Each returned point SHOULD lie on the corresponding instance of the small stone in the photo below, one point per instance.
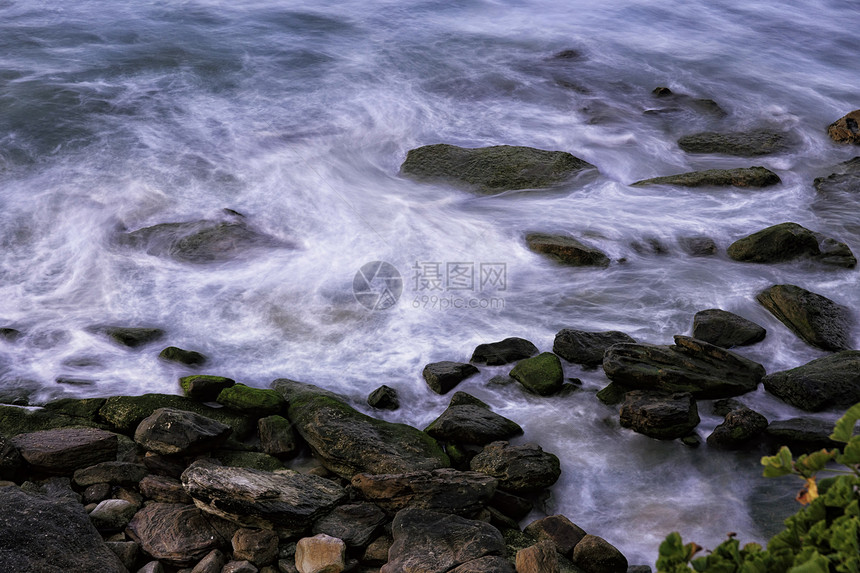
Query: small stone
(443, 376)
(377, 552)
(152, 567)
(112, 514)
(259, 546)
(384, 398)
(354, 523)
(176, 534)
(742, 144)
(698, 246)
(739, 428)
(660, 415)
(127, 551)
(815, 318)
(566, 250)
(503, 352)
(96, 493)
(320, 554)
(187, 357)
(213, 563)
(133, 337)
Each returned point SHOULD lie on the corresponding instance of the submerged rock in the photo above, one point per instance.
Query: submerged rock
(814, 318)
(586, 348)
(503, 352)
(739, 143)
(845, 129)
(384, 398)
(566, 250)
(133, 336)
(698, 246)
(660, 415)
(491, 170)
(739, 177)
(829, 382)
(187, 357)
(725, 329)
(789, 241)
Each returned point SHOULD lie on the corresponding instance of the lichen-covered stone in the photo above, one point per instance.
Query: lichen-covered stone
(204, 388)
(187, 357)
(739, 177)
(133, 336)
(541, 374)
(384, 398)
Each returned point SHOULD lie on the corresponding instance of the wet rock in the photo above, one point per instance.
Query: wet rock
(790, 241)
(690, 365)
(86, 410)
(838, 185)
(740, 427)
(176, 534)
(491, 170)
(825, 383)
(472, 424)
(612, 394)
(443, 490)
(204, 388)
(384, 398)
(814, 318)
(27, 521)
(541, 374)
(64, 450)
(254, 402)
(112, 514)
(117, 473)
(213, 563)
(434, 542)
(677, 102)
(259, 546)
(845, 129)
(725, 329)
(277, 437)
(739, 143)
(354, 523)
(557, 529)
(739, 177)
(10, 334)
(132, 337)
(596, 555)
(503, 352)
(519, 469)
(566, 250)
(698, 246)
(802, 435)
(320, 554)
(538, 558)
(586, 348)
(15, 420)
(287, 502)
(164, 489)
(348, 442)
(187, 357)
(444, 376)
(169, 431)
(660, 415)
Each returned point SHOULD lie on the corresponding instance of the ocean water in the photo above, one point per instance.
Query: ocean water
(116, 116)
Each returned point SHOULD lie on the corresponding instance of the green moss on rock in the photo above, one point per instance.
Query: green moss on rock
(203, 387)
(542, 374)
(252, 401)
(124, 413)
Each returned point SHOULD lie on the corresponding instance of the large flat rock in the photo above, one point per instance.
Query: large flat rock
(829, 382)
(64, 450)
(738, 177)
(177, 534)
(815, 318)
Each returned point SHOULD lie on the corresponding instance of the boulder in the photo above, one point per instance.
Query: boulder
(845, 129)
(259, 546)
(433, 542)
(513, 506)
(204, 388)
(491, 170)
(176, 534)
(559, 530)
(187, 357)
(472, 424)
(320, 554)
(503, 352)
(132, 336)
(348, 442)
(739, 428)
(725, 329)
(444, 376)
(538, 558)
(169, 431)
(285, 501)
(64, 450)
(519, 469)
(277, 437)
(612, 394)
(802, 435)
(541, 374)
(739, 177)
(112, 514)
(690, 365)
(443, 490)
(41, 534)
(825, 383)
(354, 523)
(586, 348)
(566, 250)
(254, 402)
(164, 489)
(660, 415)
(596, 555)
(814, 318)
(738, 143)
(790, 241)
(384, 398)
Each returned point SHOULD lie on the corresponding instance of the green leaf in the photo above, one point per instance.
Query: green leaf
(844, 428)
(810, 464)
(778, 465)
(816, 564)
(851, 452)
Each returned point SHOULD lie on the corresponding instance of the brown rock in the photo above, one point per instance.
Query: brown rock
(566, 250)
(213, 563)
(558, 529)
(164, 489)
(239, 567)
(110, 472)
(277, 436)
(259, 546)
(177, 432)
(377, 552)
(320, 554)
(487, 564)
(596, 555)
(539, 558)
(845, 129)
(176, 534)
(65, 450)
(354, 523)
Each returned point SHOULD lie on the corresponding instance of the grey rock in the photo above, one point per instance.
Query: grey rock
(739, 177)
(738, 143)
(170, 431)
(487, 564)
(11, 462)
(112, 514)
(739, 428)
(824, 383)
(725, 329)
(444, 376)
(239, 567)
(519, 469)
(596, 555)
(802, 435)
(472, 424)
(127, 551)
(96, 493)
(354, 523)
(65, 450)
(503, 352)
(660, 415)
(566, 250)
(586, 348)
(814, 318)
(790, 241)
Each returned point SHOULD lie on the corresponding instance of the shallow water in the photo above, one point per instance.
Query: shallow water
(120, 116)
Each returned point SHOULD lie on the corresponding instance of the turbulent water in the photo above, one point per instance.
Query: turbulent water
(118, 115)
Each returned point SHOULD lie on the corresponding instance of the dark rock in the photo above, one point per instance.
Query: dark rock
(790, 241)
(239, 567)
(443, 490)
(10, 334)
(491, 170)
(513, 506)
(739, 143)
(377, 552)
(690, 365)
(112, 514)
(740, 177)
(503, 352)
(802, 435)
(650, 246)
(286, 502)
(152, 567)
(117, 473)
(814, 318)
(838, 184)
(96, 493)
(169, 431)
(15, 420)
(176, 534)
(679, 102)
(739, 428)
(487, 564)
(277, 437)
(563, 533)
(472, 424)
(187, 357)
(586, 348)
(433, 542)
(595, 555)
(348, 442)
(660, 415)
(725, 329)
(164, 489)
(443, 376)
(43, 535)
(541, 374)
(252, 460)
(133, 336)
(566, 250)
(255, 402)
(86, 409)
(213, 563)
(845, 129)
(204, 388)
(539, 558)
(466, 399)
(723, 407)
(259, 546)
(519, 469)
(825, 383)
(64, 450)
(384, 398)
(354, 523)
(612, 394)
(58, 488)
(172, 466)
(127, 551)
(11, 462)
(698, 246)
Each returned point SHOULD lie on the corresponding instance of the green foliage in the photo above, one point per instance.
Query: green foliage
(822, 537)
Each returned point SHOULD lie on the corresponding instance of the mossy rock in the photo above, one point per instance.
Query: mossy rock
(815, 318)
(789, 241)
(86, 409)
(739, 177)
(203, 387)
(738, 143)
(187, 357)
(15, 420)
(566, 250)
(256, 402)
(541, 374)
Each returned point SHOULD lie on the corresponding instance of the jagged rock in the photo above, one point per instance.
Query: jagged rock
(205, 388)
(698, 246)
(434, 542)
(96, 493)
(563, 533)
(503, 352)
(259, 546)
(789, 241)
(213, 563)
(152, 567)
(164, 489)
(566, 250)
(519, 469)
(320, 554)
(725, 329)
(829, 382)
(170, 431)
(444, 376)
(277, 437)
(739, 143)
(41, 534)
(596, 555)
(740, 177)
(187, 357)
(802, 435)
(491, 170)
(124, 413)
(660, 415)
(255, 402)
(442, 490)
(384, 398)
(541, 374)
(472, 424)
(132, 336)
(586, 348)
(814, 318)
(690, 365)
(176, 534)
(117, 473)
(845, 129)
(538, 558)
(354, 523)
(287, 502)
(112, 514)
(65, 450)
(740, 427)
(348, 442)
